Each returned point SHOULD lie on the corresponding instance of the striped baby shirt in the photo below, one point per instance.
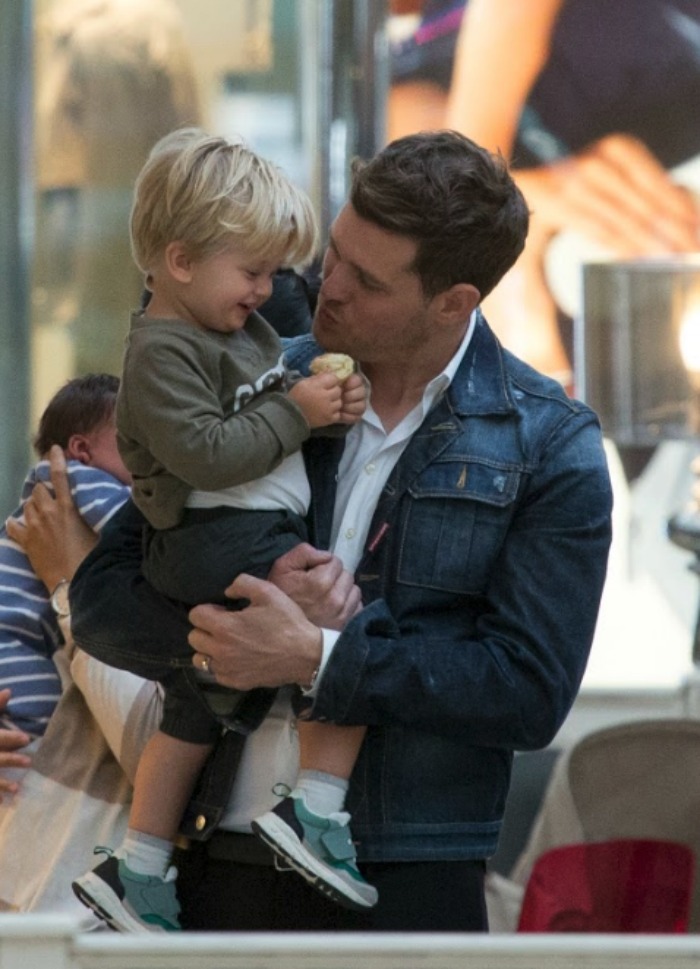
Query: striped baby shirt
(29, 631)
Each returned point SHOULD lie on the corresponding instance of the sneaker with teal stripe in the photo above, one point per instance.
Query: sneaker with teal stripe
(127, 901)
(318, 848)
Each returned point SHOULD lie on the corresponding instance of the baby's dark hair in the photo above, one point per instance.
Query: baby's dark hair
(82, 405)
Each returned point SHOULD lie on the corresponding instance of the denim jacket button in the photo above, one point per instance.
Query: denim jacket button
(201, 822)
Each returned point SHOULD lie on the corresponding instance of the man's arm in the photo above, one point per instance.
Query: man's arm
(319, 595)
(503, 672)
(269, 643)
(506, 667)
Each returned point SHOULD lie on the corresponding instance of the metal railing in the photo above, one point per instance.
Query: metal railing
(50, 942)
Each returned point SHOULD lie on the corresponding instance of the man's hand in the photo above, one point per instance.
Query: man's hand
(269, 643)
(54, 536)
(10, 742)
(318, 583)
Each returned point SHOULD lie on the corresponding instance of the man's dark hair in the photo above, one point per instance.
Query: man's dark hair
(82, 405)
(455, 198)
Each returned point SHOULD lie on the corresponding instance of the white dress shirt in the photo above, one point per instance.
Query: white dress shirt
(270, 758)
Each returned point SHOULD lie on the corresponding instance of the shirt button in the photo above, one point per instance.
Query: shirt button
(200, 823)
(370, 468)
(350, 533)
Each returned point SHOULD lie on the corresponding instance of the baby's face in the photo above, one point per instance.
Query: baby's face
(105, 453)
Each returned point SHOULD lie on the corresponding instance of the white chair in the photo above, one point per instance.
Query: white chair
(639, 779)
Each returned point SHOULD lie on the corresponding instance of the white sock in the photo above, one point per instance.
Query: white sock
(145, 854)
(323, 793)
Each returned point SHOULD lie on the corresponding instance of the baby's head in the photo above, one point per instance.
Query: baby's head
(80, 419)
(210, 196)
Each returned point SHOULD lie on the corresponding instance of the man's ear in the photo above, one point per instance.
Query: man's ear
(178, 261)
(79, 448)
(456, 304)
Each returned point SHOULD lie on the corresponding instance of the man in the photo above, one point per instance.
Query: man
(472, 504)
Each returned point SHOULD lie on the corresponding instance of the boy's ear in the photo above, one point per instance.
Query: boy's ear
(456, 304)
(178, 262)
(79, 448)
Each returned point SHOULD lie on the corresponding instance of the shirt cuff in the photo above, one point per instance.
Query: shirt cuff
(330, 638)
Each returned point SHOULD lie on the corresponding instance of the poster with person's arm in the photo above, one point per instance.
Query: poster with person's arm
(592, 104)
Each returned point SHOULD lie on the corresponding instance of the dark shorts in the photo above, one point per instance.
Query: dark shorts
(195, 561)
(130, 610)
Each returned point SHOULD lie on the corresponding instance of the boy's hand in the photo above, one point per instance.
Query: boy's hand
(354, 399)
(319, 398)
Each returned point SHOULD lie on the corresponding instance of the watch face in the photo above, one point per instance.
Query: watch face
(59, 600)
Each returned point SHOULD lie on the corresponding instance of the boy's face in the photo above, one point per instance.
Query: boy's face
(224, 289)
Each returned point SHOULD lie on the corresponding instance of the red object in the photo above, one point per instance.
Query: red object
(625, 885)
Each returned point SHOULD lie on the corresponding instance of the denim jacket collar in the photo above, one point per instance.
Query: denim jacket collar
(485, 389)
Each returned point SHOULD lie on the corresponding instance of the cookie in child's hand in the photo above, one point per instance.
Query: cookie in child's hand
(338, 363)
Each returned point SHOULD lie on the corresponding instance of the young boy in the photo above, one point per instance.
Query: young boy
(79, 418)
(210, 427)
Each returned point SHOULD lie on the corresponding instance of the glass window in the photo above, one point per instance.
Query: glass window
(113, 76)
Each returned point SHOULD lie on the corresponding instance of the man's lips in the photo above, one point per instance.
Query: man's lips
(326, 316)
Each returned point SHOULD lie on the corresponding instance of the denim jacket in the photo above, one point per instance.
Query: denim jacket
(481, 591)
(489, 552)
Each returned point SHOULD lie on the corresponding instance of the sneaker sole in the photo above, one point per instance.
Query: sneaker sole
(96, 894)
(276, 835)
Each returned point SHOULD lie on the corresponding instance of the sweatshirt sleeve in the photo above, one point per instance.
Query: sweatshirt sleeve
(181, 426)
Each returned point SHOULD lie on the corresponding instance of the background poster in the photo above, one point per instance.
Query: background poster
(594, 105)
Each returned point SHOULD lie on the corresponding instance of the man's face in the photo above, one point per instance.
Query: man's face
(371, 304)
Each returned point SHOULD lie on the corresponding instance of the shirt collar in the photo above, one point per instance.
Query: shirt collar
(434, 389)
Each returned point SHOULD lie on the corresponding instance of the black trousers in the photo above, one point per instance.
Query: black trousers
(217, 894)
(196, 560)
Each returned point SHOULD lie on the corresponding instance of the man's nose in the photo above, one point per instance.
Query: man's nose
(334, 285)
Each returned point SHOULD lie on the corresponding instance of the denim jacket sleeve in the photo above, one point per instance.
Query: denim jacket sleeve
(500, 664)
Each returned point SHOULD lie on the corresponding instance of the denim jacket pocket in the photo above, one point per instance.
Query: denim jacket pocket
(458, 514)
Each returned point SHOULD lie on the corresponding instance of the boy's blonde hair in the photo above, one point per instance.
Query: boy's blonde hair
(207, 193)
